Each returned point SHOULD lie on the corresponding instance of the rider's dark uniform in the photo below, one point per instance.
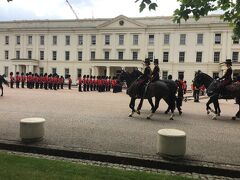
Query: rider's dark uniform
(145, 78)
(227, 77)
(156, 70)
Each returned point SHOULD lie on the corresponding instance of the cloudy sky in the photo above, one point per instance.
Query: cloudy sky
(59, 9)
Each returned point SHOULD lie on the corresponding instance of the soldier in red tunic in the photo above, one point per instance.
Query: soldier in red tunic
(62, 82)
(80, 83)
(84, 83)
(45, 81)
(91, 83)
(94, 83)
(23, 79)
(18, 79)
(87, 82)
(11, 80)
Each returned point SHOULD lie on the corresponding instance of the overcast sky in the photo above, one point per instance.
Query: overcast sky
(59, 9)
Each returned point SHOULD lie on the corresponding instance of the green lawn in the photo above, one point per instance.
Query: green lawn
(24, 168)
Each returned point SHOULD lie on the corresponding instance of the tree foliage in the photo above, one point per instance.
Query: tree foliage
(200, 8)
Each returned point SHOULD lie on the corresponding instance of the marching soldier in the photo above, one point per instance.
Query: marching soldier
(84, 83)
(94, 83)
(61, 81)
(91, 83)
(23, 79)
(45, 81)
(18, 79)
(69, 82)
(41, 81)
(11, 80)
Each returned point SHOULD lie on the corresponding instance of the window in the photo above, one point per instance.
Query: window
(80, 55)
(6, 71)
(67, 55)
(120, 55)
(29, 54)
(29, 40)
(181, 57)
(218, 38)
(199, 56)
(17, 54)
(80, 40)
(93, 55)
(235, 41)
(180, 75)
(79, 72)
(66, 72)
(67, 40)
(182, 39)
(18, 40)
(166, 39)
(199, 38)
(41, 55)
(41, 40)
(165, 75)
(150, 55)
(151, 39)
(216, 57)
(106, 55)
(6, 54)
(121, 39)
(54, 55)
(215, 75)
(235, 56)
(54, 40)
(107, 39)
(93, 40)
(134, 55)
(6, 40)
(41, 70)
(165, 56)
(54, 70)
(135, 39)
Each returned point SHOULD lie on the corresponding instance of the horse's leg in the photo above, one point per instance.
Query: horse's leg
(172, 105)
(218, 108)
(140, 105)
(157, 100)
(132, 105)
(2, 91)
(151, 103)
(208, 108)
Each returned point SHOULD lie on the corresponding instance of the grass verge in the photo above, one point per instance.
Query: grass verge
(30, 168)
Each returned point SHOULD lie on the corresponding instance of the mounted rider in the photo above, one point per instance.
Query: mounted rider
(226, 79)
(156, 70)
(143, 82)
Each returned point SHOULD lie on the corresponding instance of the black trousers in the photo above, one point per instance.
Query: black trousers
(11, 84)
(23, 83)
(17, 84)
(80, 88)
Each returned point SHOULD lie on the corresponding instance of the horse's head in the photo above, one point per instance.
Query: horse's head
(123, 76)
(198, 80)
(213, 87)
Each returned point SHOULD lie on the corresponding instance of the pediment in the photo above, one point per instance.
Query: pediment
(121, 22)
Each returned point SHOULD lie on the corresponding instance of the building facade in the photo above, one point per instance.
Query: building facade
(105, 46)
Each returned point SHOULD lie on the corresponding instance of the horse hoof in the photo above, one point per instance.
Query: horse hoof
(148, 118)
(233, 118)
(214, 118)
(218, 114)
(130, 115)
(138, 112)
(166, 112)
(208, 112)
(180, 113)
(171, 119)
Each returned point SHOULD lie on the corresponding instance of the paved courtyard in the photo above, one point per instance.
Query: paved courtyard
(99, 121)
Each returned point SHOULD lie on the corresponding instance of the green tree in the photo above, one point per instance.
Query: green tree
(199, 8)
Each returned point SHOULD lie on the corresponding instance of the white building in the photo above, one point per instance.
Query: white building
(105, 46)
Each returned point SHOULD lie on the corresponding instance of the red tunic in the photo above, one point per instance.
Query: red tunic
(23, 78)
(18, 78)
(80, 81)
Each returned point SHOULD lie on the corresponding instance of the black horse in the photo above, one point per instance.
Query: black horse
(231, 91)
(2, 80)
(160, 90)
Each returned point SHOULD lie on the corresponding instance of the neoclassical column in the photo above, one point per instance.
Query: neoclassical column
(27, 68)
(17, 68)
(93, 70)
(31, 68)
(14, 68)
(108, 71)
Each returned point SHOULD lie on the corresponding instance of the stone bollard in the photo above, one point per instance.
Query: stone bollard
(171, 143)
(32, 129)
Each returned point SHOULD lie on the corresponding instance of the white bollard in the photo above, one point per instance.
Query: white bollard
(171, 143)
(32, 129)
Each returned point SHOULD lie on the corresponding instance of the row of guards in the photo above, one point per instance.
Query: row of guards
(95, 83)
(54, 81)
